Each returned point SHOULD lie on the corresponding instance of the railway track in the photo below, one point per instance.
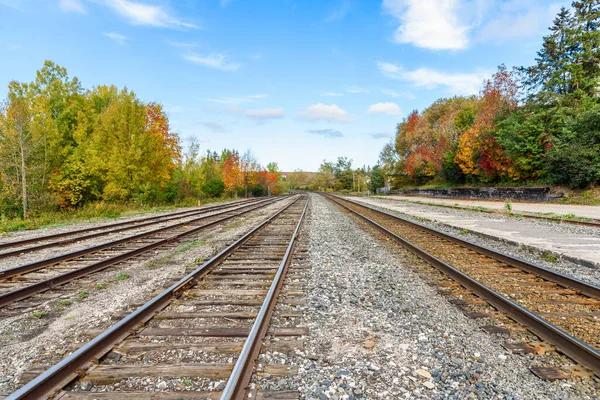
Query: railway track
(556, 308)
(24, 281)
(16, 247)
(201, 337)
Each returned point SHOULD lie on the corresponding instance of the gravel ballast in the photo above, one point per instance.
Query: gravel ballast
(378, 331)
(534, 254)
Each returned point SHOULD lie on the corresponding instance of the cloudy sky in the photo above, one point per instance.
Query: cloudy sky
(295, 81)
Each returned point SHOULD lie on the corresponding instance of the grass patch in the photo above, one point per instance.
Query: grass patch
(549, 257)
(236, 224)
(38, 314)
(189, 245)
(101, 286)
(89, 213)
(82, 295)
(61, 305)
(123, 277)
(187, 382)
(154, 264)
(464, 231)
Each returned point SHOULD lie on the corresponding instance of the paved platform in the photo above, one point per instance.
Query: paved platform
(559, 209)
(544, 236)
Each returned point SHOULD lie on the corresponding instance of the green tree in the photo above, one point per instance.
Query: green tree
(377, 179)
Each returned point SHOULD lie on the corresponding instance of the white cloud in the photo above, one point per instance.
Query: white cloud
(380, 135)
(146, 14)
(216, 61)
(72, 6)
(324, 112)
(333, 94)
(214, 127)
(117, 37)
(457, 83)
(238, 99)
(356, 90)
(265, 113)
(393, 93)
(261, 114)
(182, 45)
(15, 4)
(330, 133)
(390, 92)
(339, 13)
(385, 108)
(454, 24)
(429, 24)
(10, 46)
(514, 19)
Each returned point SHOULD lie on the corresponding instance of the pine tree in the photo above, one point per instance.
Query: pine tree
(586, 49)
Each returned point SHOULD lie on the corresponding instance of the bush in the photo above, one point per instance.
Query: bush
(214, 187)
(574, 166)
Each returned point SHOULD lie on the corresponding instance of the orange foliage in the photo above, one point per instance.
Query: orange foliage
(478, 152)
(231, 172)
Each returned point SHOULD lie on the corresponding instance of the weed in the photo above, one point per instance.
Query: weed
(101, 286)
(508, 206)
(82, 295)
(61, 305)
(549, 257)
(236, 224)
(38, 314)
(188, 245)
(187, 382)
(464, 231)
(158, 263)
(123, 277)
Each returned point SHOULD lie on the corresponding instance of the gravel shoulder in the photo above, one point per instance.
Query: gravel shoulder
(27, 341)
(570, 249)
(378, 331)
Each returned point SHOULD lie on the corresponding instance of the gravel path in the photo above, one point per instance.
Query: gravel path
(433, 217)
(27, 341)
(378, 331)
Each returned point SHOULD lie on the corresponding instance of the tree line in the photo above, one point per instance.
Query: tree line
(62, 147)
(537, 124)
(338, 175)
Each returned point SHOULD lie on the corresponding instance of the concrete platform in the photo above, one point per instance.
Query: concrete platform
(559, 209)
(574, 242)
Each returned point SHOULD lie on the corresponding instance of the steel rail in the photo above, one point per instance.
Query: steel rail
(37, 265)
(568, 344)
(127, 228)
(242, 371)
(16, 243)
(557, 277)
(59, 375)
(42, 286)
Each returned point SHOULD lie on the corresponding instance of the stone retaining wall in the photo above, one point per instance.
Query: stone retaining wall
(535, 194)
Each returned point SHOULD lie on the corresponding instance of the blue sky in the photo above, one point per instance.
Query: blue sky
(294, 81)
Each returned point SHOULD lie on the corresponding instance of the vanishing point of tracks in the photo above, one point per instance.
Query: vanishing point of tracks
(557, 308)
(208, 328)
(23, 281)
